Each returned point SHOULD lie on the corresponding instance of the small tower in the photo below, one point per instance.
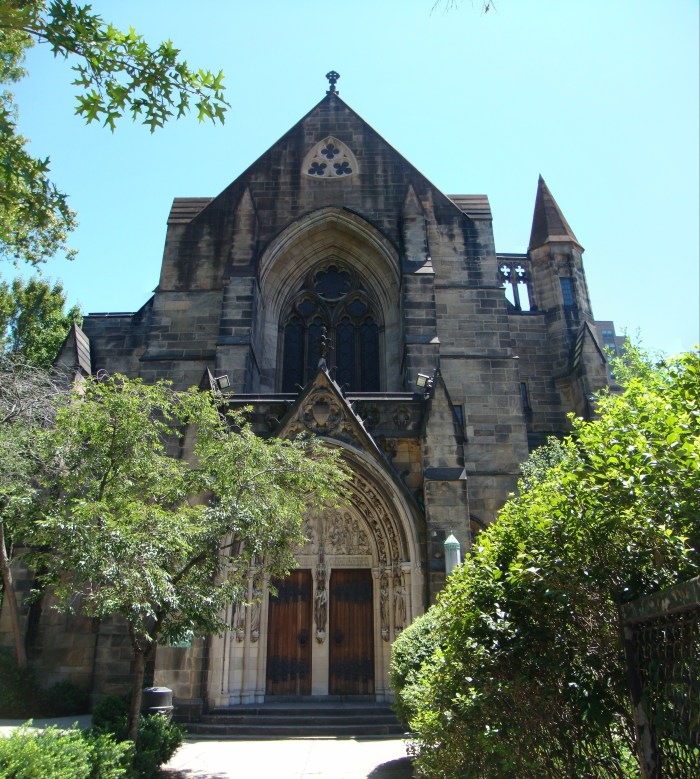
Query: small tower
(560, 291)
(558, 285)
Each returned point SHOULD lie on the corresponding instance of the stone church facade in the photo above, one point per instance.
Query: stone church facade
(319, 286)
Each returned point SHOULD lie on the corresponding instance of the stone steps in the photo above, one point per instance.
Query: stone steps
(299, 720)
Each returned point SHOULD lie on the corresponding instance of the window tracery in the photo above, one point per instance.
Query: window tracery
(332, 302)
(515, 278)
(329, 159)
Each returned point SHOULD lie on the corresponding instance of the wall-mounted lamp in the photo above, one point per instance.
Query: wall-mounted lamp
(222, 383)
(424, 381)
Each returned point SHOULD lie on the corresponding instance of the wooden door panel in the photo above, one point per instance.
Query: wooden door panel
(289, 636)
(351, 623)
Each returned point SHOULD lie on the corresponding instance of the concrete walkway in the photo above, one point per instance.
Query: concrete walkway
(308, 758)
(291, 759)
(8, 725)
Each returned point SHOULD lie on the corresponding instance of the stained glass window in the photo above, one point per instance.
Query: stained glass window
(332, 297)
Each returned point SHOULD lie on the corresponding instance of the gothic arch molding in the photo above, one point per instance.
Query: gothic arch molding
(328, 235)
(377, 531)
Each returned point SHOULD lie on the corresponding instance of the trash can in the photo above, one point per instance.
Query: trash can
(157, 700)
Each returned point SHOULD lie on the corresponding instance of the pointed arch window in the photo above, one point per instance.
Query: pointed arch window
(332, 297)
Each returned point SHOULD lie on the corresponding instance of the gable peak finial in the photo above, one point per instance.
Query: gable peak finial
(332, 77)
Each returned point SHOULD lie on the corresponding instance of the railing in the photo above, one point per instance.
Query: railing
(662, 647)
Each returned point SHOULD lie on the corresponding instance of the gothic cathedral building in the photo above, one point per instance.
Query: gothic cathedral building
(334, 289)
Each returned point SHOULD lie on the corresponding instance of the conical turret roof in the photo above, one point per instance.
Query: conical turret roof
(548, 222)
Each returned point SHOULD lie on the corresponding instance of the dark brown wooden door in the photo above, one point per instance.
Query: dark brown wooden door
(351, 650)
(289, 636)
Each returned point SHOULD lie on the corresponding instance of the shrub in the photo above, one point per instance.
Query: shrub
(158, 741)
(63, 699)
(62, 754)
(17, 688)
(158, 738)
(110, 758)
(109, 712)
(414, 646)
(21, 697)
(529, 678)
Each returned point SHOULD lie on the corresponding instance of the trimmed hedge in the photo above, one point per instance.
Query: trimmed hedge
(63, 754)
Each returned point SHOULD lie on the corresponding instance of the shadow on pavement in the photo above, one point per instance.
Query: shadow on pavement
(394, 769)
(186, 773)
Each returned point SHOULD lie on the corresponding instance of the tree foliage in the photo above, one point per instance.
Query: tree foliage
(116, 73)
(33, 323)
(528, 678)
(164, 541)
(29, 397)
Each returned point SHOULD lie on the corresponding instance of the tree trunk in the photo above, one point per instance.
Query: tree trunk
(136, 691)
(11, 601)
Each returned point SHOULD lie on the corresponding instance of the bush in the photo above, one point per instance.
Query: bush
(63, 699)
(158, 738)
(61, 754)
(110, 712)
(415, 645)
(18, 688)
(158, 741)
(528, 678)
(21, 697)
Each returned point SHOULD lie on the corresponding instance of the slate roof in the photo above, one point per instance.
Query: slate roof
(184, 209)
(548, 222)
(474, 206)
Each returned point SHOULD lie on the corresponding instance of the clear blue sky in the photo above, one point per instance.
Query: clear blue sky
(599, 97)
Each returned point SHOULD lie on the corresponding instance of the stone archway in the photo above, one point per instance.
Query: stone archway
(374, 541)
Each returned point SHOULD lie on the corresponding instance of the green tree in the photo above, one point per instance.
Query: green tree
(167, 542)
(117, 73)
(529, 677)
(29, 397)
(33, 323)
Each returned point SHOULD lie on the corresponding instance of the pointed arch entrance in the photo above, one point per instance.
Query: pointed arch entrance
(358, 584)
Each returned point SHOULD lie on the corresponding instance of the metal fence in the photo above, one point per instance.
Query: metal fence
(662, 646)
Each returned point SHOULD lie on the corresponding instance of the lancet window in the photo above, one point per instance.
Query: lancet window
(332, 312)
(515, 278)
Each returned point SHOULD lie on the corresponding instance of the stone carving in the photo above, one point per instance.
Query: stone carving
(383, 526)
(321, 413)
(329, 159)
(399, 601)
(255, 607)
(309, 529)
(321, 602)
(384, 603)
(390, 447)
(344, 534)
(239, 615)
(402, 417)
(371, 418)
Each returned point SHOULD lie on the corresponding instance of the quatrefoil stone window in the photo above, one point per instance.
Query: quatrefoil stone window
(329, 159)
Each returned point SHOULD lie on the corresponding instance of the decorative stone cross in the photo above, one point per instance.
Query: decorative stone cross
(332, 77)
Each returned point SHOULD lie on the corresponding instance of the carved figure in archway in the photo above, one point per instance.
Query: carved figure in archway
(239, 621)
(399, 602)
(255, 608)
(321, 602)
(384, 604)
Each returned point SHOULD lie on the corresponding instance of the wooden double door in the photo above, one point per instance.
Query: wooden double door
(349, 642)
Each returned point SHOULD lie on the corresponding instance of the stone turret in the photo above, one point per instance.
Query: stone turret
(558, 285)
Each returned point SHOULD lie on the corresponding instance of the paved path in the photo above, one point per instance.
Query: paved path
(310, 758)
(303, 758)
